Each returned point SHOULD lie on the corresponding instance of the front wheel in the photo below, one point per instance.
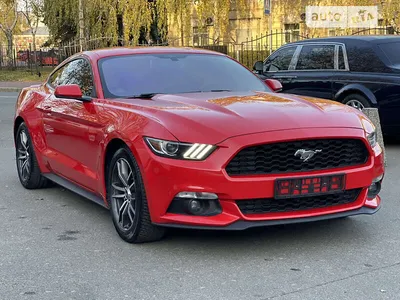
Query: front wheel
(27, 165)
(127, 197)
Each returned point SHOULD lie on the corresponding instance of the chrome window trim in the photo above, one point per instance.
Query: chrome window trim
(346, 62)
(293, 63)
(336, 58)
(319, 44)
(295, 58)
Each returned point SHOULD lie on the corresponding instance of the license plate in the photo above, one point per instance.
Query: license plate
(308, 186)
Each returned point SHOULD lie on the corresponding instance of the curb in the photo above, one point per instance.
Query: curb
(10, 89)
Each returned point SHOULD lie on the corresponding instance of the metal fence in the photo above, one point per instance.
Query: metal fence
(28, 59)
(246, 52)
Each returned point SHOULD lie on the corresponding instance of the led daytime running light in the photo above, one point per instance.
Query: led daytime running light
(197, 151)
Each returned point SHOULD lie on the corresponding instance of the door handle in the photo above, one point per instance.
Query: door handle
(46, 109)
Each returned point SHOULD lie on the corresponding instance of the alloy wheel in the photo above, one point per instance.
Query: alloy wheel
(23, 156)
(356, 104)
(123, 194)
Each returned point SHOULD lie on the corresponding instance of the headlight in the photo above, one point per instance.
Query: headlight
(370, 131)
(179, 150)
(372, 138)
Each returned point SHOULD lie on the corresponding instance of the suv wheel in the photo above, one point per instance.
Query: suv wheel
(357, 101)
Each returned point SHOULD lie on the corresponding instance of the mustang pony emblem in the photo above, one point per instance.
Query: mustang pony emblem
(306, 154)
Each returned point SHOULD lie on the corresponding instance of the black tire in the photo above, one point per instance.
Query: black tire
(30, 176)
(141, 230)
(349, 99)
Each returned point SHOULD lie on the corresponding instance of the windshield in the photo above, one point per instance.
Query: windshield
(392, 52)
(125, 76)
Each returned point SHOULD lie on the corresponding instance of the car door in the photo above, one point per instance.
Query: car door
(386, 85)
(314, 68)
(68, 126)
(279, 65)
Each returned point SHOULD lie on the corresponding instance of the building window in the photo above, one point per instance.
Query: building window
(200, 36)
(292, 32)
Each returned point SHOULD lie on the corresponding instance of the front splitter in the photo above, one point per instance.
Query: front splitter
(243, 225)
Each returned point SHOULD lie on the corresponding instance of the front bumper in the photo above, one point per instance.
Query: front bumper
(164, 178)
(243, 224)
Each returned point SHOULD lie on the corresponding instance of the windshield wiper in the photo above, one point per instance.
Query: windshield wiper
(151, 95)
(142, 96)
(209, 91)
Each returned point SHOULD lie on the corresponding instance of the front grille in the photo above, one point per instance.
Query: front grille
(279, 157)
(270, 205)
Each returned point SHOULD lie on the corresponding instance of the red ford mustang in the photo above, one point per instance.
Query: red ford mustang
(188, 138)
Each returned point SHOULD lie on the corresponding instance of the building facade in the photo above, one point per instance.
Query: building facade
(285, 22)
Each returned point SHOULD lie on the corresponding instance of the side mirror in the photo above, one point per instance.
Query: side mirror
(274, 85)
(258, 67)
(70, 91)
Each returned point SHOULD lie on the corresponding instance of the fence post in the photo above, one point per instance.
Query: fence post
(40, 59)
(15, 57)
(28, 58)
(252, 51)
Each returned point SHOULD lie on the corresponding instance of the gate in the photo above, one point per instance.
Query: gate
(260, 48)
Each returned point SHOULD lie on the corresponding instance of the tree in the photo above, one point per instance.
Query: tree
(135, 21)
(183, 12)
(32, 11)
(61, 17)
(391, 13)
(8, 21)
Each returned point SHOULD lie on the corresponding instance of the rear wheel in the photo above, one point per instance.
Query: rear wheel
(127, 197)
(357, 101)
(27, 166)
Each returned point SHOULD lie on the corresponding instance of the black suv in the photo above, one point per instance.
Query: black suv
(361, 71)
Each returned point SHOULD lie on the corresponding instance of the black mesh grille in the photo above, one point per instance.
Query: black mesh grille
(262, 206)
(279, 157)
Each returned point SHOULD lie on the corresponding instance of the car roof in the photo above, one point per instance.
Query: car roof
(374, 39)
(120, 51)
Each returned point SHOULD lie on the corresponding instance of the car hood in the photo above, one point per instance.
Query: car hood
(214, 117)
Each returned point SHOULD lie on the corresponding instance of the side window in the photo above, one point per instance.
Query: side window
(54, 79)
(316, 57)
(342, 65)
(363, 58)
(78, 72)
(280, 60)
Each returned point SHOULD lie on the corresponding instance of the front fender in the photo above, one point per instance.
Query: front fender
(357, 88)
(131, 133)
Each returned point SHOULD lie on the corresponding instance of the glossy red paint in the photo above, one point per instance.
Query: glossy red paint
(68, 91)
(274, 84)
(71, 136)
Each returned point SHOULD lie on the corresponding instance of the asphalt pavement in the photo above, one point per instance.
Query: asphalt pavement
(57, 245)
